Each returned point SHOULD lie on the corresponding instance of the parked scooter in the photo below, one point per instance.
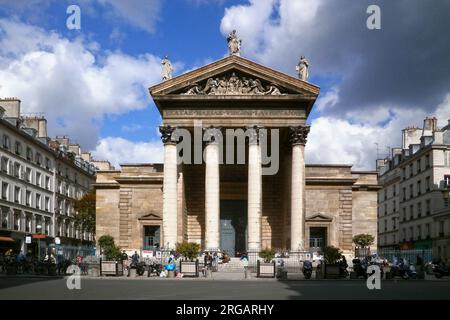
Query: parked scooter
(307, 269)
(441, 270)
(360, 268)
(139, 266)
(403, 270)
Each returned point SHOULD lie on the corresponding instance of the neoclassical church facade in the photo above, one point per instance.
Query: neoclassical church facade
(231, 193)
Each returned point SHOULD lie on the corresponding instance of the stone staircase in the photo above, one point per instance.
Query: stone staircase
(234, 265)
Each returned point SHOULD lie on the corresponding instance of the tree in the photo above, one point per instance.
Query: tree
(331, 254)
(363, 240)
(189, 250)
(109, 248)
(85, 212)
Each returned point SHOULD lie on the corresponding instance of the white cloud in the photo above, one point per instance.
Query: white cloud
(334, 140)
(118, 150)
(70, 81)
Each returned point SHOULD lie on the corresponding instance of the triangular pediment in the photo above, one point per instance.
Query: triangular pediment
(319, 217)
(150, 216)
(231, 77)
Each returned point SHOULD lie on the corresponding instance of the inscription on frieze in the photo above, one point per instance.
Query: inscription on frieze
(231, 113)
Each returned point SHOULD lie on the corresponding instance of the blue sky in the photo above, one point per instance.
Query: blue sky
(92, 83)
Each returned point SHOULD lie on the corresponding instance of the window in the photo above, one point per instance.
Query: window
(395, 190)
(5, 163)
(38, 179)
(447, 181)
(29, 154)
(419, 209)
(385, 209)
(411, 212)
(427, 230)
(394, 206)
(6, 142)
(47, 183)
(38, 201)
(404, 173)
(419, 169)
(411, 170)
(427, 184)
(28, 224)
(394, 226)
(411, 233)
(419, 187)
(28, 198)
(18, 148)
(48, 163)
(427, 161)
(404, 214)
(38, 159)
(404, 194)
(5, 191)
(428, 207)
(385, 225)
(67, 173)
(404, 234)
(28, 175)
(17, 170)
(419, 232)
(441, 228)
(411, 191)
(17, 195)
(47, 204)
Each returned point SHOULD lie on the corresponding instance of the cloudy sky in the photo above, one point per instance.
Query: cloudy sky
(92, 83)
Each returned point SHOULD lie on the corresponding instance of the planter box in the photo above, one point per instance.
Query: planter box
(189, 268)
(332, 271)
(111, 268)
(265, 270)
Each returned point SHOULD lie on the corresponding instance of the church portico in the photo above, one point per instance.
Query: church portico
(234, 176)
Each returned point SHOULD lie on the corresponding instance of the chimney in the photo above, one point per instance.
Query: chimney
(429, 126)
(11, 107)
(37, 123)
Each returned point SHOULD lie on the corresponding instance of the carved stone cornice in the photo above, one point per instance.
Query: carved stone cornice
(167, 134)
(298, 135)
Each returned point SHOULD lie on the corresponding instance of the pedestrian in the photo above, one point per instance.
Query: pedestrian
(124, 258)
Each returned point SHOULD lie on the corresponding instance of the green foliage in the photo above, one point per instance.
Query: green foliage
(85, 212)
(363, 240)
(189, 250)
(109, 248)
(267, 254)
(331, 254)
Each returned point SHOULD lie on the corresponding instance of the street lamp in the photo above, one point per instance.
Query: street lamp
(38, 231)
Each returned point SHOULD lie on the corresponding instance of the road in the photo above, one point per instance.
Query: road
(185, 289)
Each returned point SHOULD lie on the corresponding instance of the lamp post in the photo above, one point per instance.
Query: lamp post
(38, 231)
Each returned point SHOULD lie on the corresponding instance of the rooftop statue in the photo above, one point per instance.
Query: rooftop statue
(166, 69)
(302, 69)
(234, 43)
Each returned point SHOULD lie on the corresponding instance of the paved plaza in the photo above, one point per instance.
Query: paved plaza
(207, 289)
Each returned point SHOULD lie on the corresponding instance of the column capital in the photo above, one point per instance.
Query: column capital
(212, 135)
(254, 134)
(167, 134)
(298, 135)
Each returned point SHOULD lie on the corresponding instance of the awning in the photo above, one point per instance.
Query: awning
(7, 239)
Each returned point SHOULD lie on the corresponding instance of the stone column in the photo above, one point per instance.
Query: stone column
(170, 223)
(254, 199)
(212, 195)
(297, 137)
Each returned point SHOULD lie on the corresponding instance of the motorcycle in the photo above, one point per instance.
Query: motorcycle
(156, 268)
(441, 270)
(307, 269)
(139, 266)
(360, 268)
(403, 270)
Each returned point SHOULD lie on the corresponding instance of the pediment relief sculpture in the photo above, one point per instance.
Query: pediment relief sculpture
(233, 85)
